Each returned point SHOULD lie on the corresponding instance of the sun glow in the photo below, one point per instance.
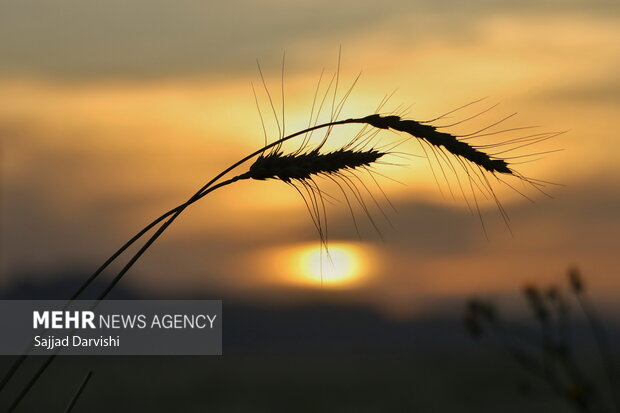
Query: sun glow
(343, 265)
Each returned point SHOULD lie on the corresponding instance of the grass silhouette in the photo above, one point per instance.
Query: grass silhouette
(300, 168)
(553, 361)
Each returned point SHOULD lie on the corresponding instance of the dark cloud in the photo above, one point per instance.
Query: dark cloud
(603, 90)
(141, 39)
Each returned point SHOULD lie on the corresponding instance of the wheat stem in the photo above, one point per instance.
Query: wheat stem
(172, 214)
(78, 392)
(604, 349)
(415, 129)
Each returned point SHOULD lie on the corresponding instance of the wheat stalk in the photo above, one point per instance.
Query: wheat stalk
(300, 167)
(432, 135)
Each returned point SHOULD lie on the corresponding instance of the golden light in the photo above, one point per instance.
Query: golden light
(343, 265)
(347, 265)
(339, 265)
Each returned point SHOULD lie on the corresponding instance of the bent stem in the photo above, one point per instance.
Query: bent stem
(78, 392)
(421, 131)
(171, 215)
(117, 278)
(604, 349)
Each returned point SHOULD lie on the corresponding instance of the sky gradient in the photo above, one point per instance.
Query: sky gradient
(113, 113)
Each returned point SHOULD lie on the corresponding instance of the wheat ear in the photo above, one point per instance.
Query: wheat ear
(286, 168)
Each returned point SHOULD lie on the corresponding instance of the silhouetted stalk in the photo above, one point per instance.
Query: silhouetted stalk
(325, 164)
(535, 367)
(116, 279)
(78, 392)
(31, 383)
(605, 352)
(172, 214)
(558, 368)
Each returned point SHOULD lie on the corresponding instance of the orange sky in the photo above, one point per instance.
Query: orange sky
(99, 136)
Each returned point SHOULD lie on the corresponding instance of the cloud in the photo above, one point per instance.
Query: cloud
(606, 90)
(141, 39)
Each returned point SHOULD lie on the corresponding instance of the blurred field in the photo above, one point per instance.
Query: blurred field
(346, 382)
(315, 359)
(115, 111)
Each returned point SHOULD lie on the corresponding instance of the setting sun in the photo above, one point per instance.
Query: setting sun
(342, 265)
(336, 266)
